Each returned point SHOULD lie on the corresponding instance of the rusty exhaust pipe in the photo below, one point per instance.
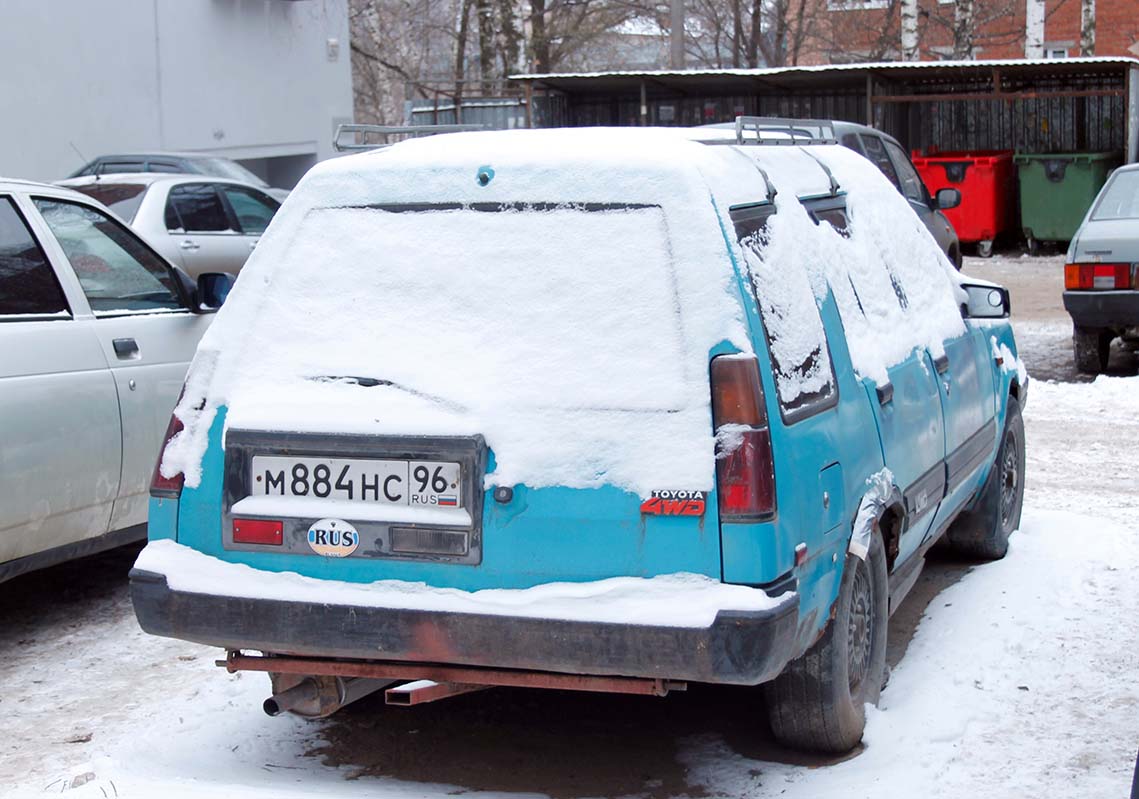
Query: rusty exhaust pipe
(319, 696)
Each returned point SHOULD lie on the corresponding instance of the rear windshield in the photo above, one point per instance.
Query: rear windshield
(122, 198)
(1120, 199)
(224, 168)
(523, 306)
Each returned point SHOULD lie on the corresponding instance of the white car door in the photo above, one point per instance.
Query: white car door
(60, 442)
(143, 324)
(206, 234)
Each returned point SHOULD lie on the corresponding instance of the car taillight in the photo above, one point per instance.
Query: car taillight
(1085, 277)
(745, 470)
(167, 487)
(257, 531)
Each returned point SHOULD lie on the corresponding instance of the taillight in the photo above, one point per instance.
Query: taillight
(257, 531)
(1103, 277)
(167, 487)
(745, 470)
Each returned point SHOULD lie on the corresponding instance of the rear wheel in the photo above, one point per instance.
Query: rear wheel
(1091, 347)
(983, 531)
(985, 248)
(819, 700)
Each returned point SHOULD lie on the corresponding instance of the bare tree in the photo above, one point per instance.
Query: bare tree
(1087, 27)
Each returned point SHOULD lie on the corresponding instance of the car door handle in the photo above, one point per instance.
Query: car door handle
(125, 347)
(941, 364)
(190, 245)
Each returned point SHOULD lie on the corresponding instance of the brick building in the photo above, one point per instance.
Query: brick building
(843, 31)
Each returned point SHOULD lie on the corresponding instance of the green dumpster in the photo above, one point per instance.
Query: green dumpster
(1056, 190)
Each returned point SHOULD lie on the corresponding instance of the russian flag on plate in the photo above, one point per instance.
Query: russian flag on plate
(448, 500)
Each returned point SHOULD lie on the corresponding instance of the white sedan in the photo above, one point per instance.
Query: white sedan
(96, 332)
(200, 223)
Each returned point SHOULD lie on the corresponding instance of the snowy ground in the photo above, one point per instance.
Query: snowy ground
(1021, 679)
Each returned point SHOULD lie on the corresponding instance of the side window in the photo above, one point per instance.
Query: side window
(877, 154)
(796, 340)
(164, 166)
(912, 186)
(253, 209)
(851, 140)
(110, 167)
(117, 271)
(28, 284)
(197, 208)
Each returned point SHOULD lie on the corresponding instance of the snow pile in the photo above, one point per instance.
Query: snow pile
(1009, 362)
(576, 341)
(672, 600)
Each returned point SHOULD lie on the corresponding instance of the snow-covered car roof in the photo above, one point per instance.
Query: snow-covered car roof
(571, 285)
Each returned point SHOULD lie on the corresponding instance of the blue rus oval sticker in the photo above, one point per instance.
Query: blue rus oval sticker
(333, 538)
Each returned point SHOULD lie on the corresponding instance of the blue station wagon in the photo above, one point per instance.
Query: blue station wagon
(599, 410)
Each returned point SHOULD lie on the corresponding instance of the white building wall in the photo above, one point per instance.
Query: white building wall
(248, 79)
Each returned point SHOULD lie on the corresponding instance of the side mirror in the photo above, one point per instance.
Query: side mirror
(947, 198)
(213, 288)
(986, 302)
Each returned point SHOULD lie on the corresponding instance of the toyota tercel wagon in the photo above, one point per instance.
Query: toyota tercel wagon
(602, 410)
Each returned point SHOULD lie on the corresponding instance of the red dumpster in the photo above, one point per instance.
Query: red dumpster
(985, 179)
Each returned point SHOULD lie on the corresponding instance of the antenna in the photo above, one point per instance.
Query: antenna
(82, 157)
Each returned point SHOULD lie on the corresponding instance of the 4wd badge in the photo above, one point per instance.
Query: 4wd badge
(675, 503)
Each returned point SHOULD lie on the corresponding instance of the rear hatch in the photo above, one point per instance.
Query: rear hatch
(471, 396)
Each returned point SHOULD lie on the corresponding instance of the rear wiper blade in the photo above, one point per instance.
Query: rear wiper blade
(366, 382)
(375, 382)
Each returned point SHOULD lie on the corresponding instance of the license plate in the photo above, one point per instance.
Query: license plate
(384, 482)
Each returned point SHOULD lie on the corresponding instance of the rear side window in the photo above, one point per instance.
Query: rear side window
(800, 359)
(254, 211)
(876, 152)
(196, 208)
(28, 284)
(118, 273)
(912, 186)
(850, 140)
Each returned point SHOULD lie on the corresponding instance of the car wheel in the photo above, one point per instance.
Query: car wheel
(818, 702)
(1091, 347)
(983, 531)
(1033, 246)
(985, 248)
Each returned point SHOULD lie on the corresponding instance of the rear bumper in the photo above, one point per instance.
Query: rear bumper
(739, 647)
(1103, 309)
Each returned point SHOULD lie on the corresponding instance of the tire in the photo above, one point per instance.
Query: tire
(818, 702)
(1091, 347)
(985, 248)
(1033, 246)
(983, 531)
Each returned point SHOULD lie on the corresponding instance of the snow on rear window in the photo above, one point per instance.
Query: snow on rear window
(480, 308)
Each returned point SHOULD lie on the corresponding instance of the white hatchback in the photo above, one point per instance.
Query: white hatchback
(96, 331)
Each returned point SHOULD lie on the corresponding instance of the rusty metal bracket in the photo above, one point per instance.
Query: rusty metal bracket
(468, 675)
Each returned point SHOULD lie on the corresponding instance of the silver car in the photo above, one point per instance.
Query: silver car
(1101, 278)
(200, 224)
(96, 332)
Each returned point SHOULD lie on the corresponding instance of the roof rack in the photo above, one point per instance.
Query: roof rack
(798, 131)
(390, 134)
